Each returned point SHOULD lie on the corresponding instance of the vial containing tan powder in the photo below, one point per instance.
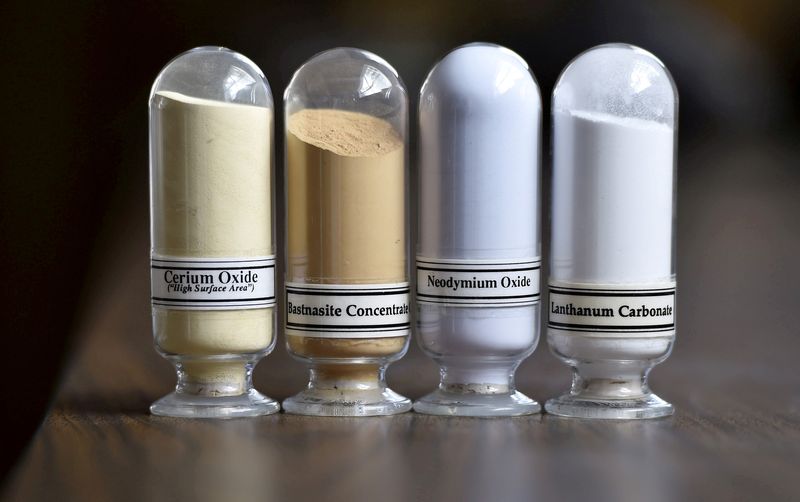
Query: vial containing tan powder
(478, 256)
(347, 290)
(213, 251)
(612, 274)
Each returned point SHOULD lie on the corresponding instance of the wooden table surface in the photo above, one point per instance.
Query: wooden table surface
(733, 378)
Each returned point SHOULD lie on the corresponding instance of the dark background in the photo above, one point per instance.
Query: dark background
(75, 83)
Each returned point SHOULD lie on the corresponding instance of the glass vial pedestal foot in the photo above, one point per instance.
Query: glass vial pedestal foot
(494, 396)
(649, 406)
(347, 390)
(214, 389)
(610, 390)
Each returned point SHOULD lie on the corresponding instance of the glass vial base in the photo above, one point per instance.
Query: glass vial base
(342, 390)
(648, 406)
(494, 396)
(214, 388)
(250, 404)
(610, 390)
(473, 404)
(609, 376)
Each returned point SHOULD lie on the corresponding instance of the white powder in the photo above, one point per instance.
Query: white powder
(611, 219)
(612, 199)
(595, 347)
(480, 121)
(211, 198)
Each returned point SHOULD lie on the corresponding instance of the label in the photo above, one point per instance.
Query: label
(213, 283)
(613, 309)
(478, 283)
(347, 310)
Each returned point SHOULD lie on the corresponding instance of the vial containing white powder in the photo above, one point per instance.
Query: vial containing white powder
(347, 297)
(478, 255)
(213, 251)
(612, 276)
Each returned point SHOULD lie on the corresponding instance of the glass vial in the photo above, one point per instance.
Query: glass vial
(478, 256)
(211, 223)
(612, 275)
(347, 292)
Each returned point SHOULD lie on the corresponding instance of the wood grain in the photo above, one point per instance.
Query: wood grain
(733, 378)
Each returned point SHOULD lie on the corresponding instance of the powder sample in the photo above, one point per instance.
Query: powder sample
(612, 199)
(612, 282)
(479, 148)
(212, 199)
(349, 134)
(346, 213)
(603, 230)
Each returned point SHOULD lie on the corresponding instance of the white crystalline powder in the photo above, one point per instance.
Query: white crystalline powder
(612, 218)
(612, 197)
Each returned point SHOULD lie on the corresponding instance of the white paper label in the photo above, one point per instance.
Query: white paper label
(347, 310)
(623, 310)
(478, 283)
(212, 283)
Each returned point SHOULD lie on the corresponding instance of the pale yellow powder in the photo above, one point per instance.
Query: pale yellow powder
(212, 198)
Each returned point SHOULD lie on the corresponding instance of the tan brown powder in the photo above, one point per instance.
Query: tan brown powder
(346, 212)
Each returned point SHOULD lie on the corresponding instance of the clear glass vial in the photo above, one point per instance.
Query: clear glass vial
(347, 298)
(478, 255)
(612, 275)
(213, 252)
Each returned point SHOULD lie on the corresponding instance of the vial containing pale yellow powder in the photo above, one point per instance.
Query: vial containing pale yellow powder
(347, 289)
(211, 224)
